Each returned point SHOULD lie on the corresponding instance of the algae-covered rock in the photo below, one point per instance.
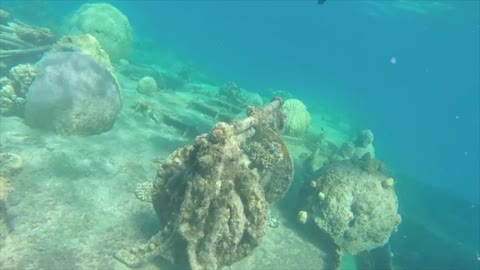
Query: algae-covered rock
(107, 24)
(355, 209)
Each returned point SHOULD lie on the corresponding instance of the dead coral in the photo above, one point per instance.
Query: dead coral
(213, 201)
(20, 41)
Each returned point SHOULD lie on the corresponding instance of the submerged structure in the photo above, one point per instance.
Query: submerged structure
(213, 196)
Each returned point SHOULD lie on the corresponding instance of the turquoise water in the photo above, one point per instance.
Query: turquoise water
(407, 70)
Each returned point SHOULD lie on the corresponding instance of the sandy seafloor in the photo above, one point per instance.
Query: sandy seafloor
(73, 203)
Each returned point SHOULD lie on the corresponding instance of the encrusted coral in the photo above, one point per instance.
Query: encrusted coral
(298, 118)
(144, 191)
(355, 210)
(13, 89)
(107, 24)
(302, 217)
(364, 144)
(263, 155)
(213, 203)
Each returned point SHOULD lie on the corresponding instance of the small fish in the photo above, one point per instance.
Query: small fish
(320, 2)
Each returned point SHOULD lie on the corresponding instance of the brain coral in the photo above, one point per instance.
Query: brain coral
(107, 24)
(72, 94)
(355, 209)
(298, 118)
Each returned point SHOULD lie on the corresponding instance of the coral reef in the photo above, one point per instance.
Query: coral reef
(14, 89)
(84, 43)
(355, 210)
(298, 118)
(15, 86)
(21, 42)
(107, 24)
(73, 95)
(213, 202)
(147, 86)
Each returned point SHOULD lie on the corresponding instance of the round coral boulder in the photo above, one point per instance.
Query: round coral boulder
(147, 86)
(107, 24)
(73, 94)
(353, 207)
(298, 118)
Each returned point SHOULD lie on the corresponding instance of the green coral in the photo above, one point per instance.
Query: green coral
(298, 118)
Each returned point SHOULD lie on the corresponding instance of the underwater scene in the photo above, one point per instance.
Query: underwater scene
(240, 135)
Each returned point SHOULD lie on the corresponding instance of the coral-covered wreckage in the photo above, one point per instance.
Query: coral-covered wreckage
(213, 196)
